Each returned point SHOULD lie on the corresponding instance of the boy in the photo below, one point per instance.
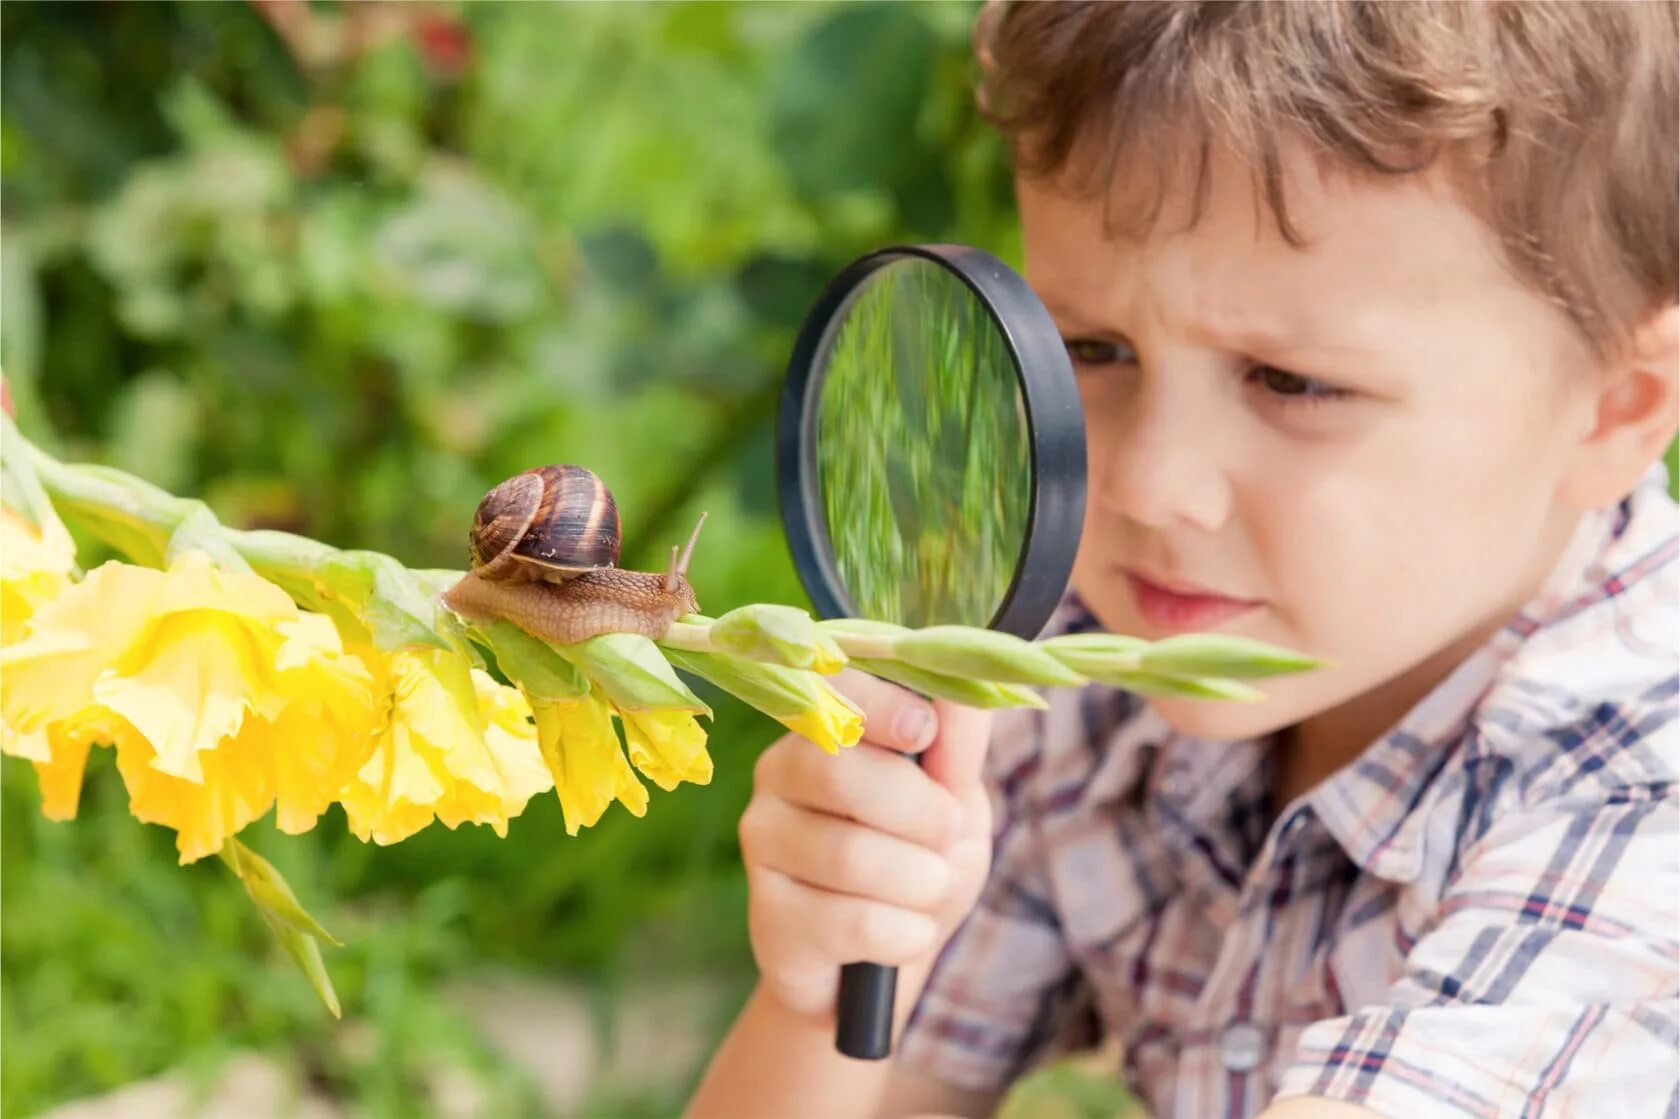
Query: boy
(1373, 307)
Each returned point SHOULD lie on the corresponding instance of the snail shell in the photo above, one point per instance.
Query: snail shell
(549, 524)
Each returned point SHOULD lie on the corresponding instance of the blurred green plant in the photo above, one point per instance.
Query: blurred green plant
(338, 279)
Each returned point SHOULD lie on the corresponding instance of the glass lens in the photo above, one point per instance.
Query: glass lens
(922, 450)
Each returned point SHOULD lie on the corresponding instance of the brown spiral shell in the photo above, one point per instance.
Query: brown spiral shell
(548, 524)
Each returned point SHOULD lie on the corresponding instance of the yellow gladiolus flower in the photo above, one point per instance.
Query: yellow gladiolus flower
(456, 749)
(327, 730)
(830, 721)
(583, 754)
(217, 692)
(669, 747)
(35, 566)
(511, 737)
(60, 754)
(296, 761)
(801, 701)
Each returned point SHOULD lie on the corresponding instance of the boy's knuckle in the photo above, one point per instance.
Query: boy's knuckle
(852, 864)
(884, 931)
(751, 828)
(933, 881)
(868, 927)
(833, 780)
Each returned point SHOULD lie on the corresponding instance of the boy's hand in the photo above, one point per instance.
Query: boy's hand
(865, 855)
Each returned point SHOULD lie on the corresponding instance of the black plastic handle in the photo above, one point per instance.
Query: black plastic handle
(863, 1019)
(865, 1012)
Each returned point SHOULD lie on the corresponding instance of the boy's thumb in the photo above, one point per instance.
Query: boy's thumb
(958, 753)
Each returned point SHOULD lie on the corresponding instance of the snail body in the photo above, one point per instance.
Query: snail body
(545, 545)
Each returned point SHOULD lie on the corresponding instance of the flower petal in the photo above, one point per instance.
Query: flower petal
(35, 567)
(583, 754)
(511, 738)
(237, 788)
(329, 727)
(188, 687)
(433, 761)
(669, 747)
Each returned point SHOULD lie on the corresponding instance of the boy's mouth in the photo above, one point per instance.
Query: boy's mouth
(1177, 607)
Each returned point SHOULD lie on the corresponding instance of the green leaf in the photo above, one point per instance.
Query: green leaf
(199, 531)
(983, 654)
(397, 607)
(20, 488)
(270, 551)
(783, 635)
(130, 515)
(957, 689)
(1208, 654)
(1069, 1089)
(845, 101)
(291, 562)
(539, 671)
(634, 673)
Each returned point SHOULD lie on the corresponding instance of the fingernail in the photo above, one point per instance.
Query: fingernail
(914, 726)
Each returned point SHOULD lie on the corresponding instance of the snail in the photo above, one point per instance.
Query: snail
(544, 549)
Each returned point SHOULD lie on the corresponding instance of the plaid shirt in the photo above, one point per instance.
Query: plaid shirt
(1480, 916)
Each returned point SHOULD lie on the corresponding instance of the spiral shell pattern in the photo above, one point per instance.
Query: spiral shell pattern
(549, 524)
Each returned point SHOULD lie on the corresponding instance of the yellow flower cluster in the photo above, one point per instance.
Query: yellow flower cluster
(222, 700)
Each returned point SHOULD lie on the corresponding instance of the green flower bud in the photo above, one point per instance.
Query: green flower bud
(957, 689)
(1190, 687)
(801, 701)
(298, 932)
(783, 635)
(268, 889)
(1096, 655)
(862, 627)
(1210, 654)
(540, 672)
(305, 951)
(982, 654)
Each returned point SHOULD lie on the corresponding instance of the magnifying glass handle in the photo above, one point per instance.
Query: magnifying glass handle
(865, 1018)
(864, 1012)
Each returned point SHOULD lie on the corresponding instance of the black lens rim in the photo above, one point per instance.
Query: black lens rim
(1055, 436)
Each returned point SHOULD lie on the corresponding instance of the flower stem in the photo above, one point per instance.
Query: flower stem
(688, 637)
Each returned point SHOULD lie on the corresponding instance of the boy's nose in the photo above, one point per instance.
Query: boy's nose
(1160, 465)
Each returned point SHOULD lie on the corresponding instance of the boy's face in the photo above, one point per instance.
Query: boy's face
(1351, 450)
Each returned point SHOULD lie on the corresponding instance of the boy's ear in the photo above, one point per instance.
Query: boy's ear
(1635, 412)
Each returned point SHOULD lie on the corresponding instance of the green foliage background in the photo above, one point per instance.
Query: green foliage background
(345, 299)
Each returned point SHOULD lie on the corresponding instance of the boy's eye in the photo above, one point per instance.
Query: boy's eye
(1293, 388)
(1098, 351)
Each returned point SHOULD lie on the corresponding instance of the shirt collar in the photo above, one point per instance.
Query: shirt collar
(1377, 807)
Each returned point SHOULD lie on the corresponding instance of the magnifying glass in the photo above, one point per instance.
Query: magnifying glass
(930, 461)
